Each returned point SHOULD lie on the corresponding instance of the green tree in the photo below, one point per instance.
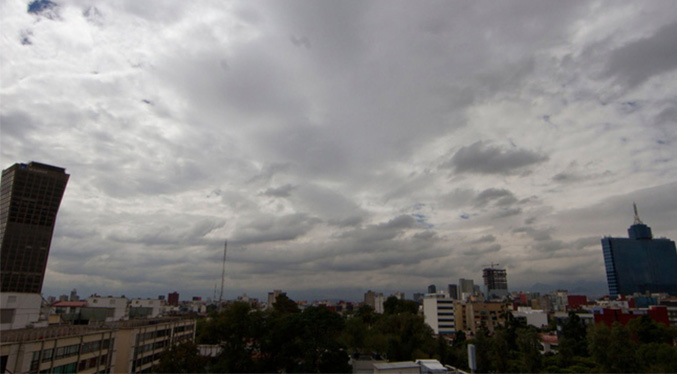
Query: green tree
(500, 351)
(405, 334)
(393, 305)
(354, 333)
(319, 346)
(613, 350)
(528, 343)
(238, 329)
(181, 358)
(443, 348)
(599, 338)
(646, 330)
(458, 355)
(622, 350)
(280, 344)
(284, 304)
(573, 341)
(482, 344)
(657, 357)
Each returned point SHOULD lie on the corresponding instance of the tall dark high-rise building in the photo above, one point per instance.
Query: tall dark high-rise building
(640, 263)
(452, 289)
(496, 283)
(173, 299)
(30, 195)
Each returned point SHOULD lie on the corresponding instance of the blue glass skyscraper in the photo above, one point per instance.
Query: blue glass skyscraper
(640, 263)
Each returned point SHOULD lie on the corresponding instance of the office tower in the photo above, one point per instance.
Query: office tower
(74, 295)
(432, 289)
(452, 289)
(370, 298)
(640, 263)
(496, 283)
(466, 288)
(30, 196)
(272, 298)
(173, 299)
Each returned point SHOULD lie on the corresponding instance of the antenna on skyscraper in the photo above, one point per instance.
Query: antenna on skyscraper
(637, 220)
(223, 273)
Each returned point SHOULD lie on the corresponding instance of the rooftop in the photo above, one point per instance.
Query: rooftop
(396, 365)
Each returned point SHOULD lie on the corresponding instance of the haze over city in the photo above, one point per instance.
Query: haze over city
(341, 146)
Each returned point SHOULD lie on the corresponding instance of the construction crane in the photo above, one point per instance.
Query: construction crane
(223, 273)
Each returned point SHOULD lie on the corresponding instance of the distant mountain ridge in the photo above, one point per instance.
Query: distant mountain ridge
(590, 288)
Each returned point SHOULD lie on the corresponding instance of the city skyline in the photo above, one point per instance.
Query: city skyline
(341, 146)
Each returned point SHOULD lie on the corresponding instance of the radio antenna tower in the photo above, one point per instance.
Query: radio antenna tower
(637, 220)
(223, 273)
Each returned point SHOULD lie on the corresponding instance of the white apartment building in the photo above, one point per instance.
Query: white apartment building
(118, 304)
(18, 310)
(379, 300)
(438, 311)
(536, 318)
(150, 308)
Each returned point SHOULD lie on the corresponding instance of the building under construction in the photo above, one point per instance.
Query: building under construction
(495, 282)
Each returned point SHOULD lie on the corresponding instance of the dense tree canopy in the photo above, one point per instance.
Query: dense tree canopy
(317, 339)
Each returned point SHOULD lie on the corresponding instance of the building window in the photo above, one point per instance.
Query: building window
(7, 315)
(35, 362)
(68, 368)
(47, 355)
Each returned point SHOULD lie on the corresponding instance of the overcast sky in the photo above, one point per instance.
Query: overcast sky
(341, 146)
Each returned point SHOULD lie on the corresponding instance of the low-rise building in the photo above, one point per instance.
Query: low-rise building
(18, 310)
(610, 315)
(485, 314)
(118, 304)
(145, 308)
(116, 347)
(405, 367)
(146, 339)
(536, 318)
(59, 349)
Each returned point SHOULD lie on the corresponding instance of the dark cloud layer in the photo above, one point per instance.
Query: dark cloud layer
(340, 146)
(488, 159)
(640, 60)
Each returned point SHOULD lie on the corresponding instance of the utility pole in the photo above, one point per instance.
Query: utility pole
(223, 274)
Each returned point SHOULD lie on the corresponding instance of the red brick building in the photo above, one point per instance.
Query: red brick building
(610, 315)
(173, 299)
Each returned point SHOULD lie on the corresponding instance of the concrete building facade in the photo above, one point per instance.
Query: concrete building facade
(466, 288)
(119, 347)
(145, 308)
(118, 304)
(439, 313)
(30, 195)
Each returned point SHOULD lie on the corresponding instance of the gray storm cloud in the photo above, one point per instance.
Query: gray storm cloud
(340, 145)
